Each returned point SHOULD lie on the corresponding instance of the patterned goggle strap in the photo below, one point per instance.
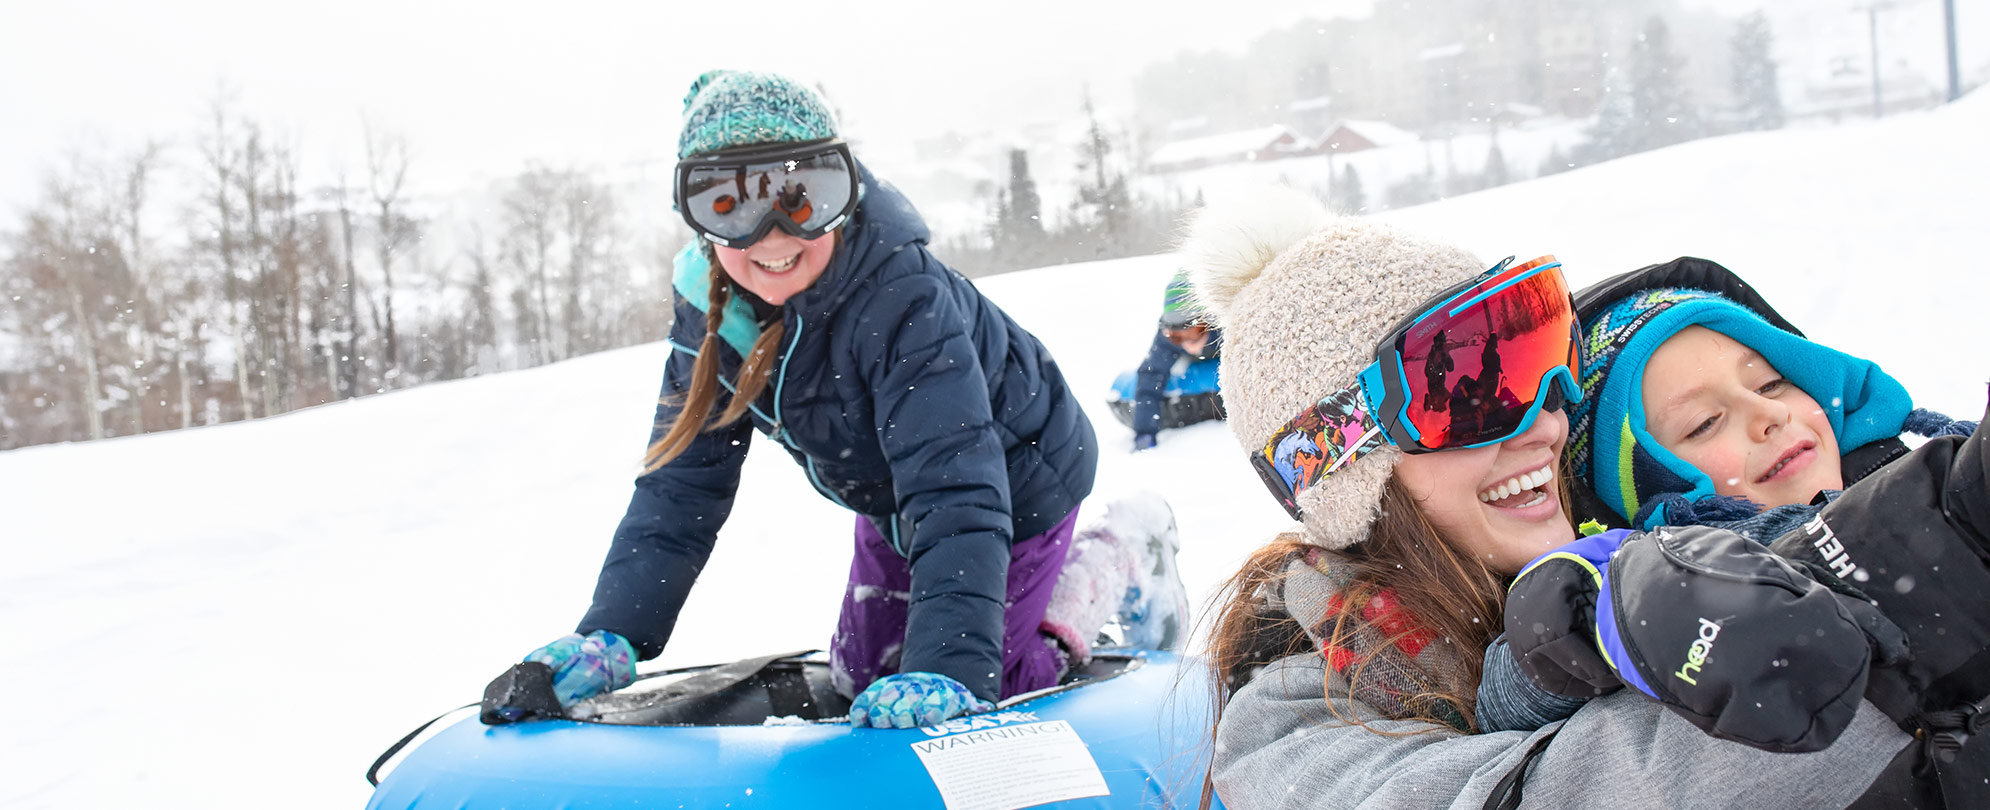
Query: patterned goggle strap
(1317, 443)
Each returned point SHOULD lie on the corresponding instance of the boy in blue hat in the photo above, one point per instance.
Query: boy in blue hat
(1698, 408)
(1703, 406)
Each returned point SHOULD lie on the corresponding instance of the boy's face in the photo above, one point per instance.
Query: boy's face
(1723, 409)
(1192, 338)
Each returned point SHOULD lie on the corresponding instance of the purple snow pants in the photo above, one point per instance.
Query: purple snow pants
(870, 635)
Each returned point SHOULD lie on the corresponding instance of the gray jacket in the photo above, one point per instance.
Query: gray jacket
(1278, 746)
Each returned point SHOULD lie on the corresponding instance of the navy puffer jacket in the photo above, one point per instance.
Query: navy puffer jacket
(1150, 381)
(907, 397)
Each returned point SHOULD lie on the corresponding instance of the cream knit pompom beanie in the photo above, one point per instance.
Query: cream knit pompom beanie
(1303, 296)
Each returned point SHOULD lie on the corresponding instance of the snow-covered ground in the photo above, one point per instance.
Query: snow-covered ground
(245, 615)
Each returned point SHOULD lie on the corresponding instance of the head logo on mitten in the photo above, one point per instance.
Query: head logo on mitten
(1696, 655)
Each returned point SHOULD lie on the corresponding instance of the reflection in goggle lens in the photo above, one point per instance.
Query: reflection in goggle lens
(794, 201)
(1473, 374)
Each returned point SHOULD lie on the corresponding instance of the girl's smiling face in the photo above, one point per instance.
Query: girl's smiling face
(779, 266)
(1719, 406)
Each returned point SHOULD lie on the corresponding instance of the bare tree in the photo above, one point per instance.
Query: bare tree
(480, 333)
(107, 328)
(386, 171)
(347, 328)
(590, 211)
(283, 357)
(249, 184)
(135, 189)
(219, 152)
(530, 208)
(68, 272)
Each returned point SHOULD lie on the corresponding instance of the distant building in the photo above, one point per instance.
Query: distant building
(1512, 113)
(1310, 114)
(1445, 65)
(1566, 73)
(1848, 92)
(1184, 128)
(1354, 136)
(1263, 143)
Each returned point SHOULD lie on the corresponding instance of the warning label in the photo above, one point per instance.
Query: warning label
(1011, 767)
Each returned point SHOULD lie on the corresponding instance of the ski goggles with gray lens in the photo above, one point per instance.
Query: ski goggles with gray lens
(735, 197)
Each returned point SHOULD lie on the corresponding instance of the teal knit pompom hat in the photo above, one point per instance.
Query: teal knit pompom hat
(728, 108)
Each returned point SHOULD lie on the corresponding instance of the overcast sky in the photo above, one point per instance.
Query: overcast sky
(481, 87)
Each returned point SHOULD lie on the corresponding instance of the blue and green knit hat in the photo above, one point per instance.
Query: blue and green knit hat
(1610, 450)
(1178, 307)
(728, 108)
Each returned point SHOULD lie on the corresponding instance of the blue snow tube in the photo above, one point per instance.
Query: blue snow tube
(1191, 394)
(1128, 731)
(1196, 377)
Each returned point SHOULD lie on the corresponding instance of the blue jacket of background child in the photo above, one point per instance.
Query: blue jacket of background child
(1151, 380)
(907, 397)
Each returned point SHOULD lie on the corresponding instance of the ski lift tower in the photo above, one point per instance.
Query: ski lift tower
(1872, 11)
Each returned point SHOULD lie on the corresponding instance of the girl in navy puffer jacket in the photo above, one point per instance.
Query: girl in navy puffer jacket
(810, 309)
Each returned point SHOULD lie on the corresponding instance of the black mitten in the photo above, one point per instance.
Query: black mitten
(1740, 642)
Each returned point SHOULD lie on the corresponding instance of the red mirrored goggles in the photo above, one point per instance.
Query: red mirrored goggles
(1475, 367)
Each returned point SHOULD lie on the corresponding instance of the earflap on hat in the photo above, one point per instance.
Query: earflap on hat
(1628, 467)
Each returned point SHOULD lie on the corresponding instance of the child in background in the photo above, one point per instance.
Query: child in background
(1180, 339)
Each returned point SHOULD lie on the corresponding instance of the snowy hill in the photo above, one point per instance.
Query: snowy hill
(245, 615)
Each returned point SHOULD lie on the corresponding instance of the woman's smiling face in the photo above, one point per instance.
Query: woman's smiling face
(1500, 503)
(1719, 406)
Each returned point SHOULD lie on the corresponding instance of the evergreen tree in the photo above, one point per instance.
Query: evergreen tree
(1415, 189)
(1495, 173)
(1613, 134)
(1556, 162)
(1019, 212)
(1662, 111)
(1102, 191)
(1761, 99)
(1348, 196)
(1647, 109)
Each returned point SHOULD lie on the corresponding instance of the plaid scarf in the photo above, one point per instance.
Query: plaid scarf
(1384, 647)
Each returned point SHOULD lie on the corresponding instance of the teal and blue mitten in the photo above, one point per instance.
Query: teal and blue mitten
(909, 699)
(585, 666)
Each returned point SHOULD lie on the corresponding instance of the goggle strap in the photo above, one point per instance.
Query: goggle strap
(1321, 440)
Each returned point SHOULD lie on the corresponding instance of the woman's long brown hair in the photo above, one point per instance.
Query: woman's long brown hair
(1451, 594)
(695, 414)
